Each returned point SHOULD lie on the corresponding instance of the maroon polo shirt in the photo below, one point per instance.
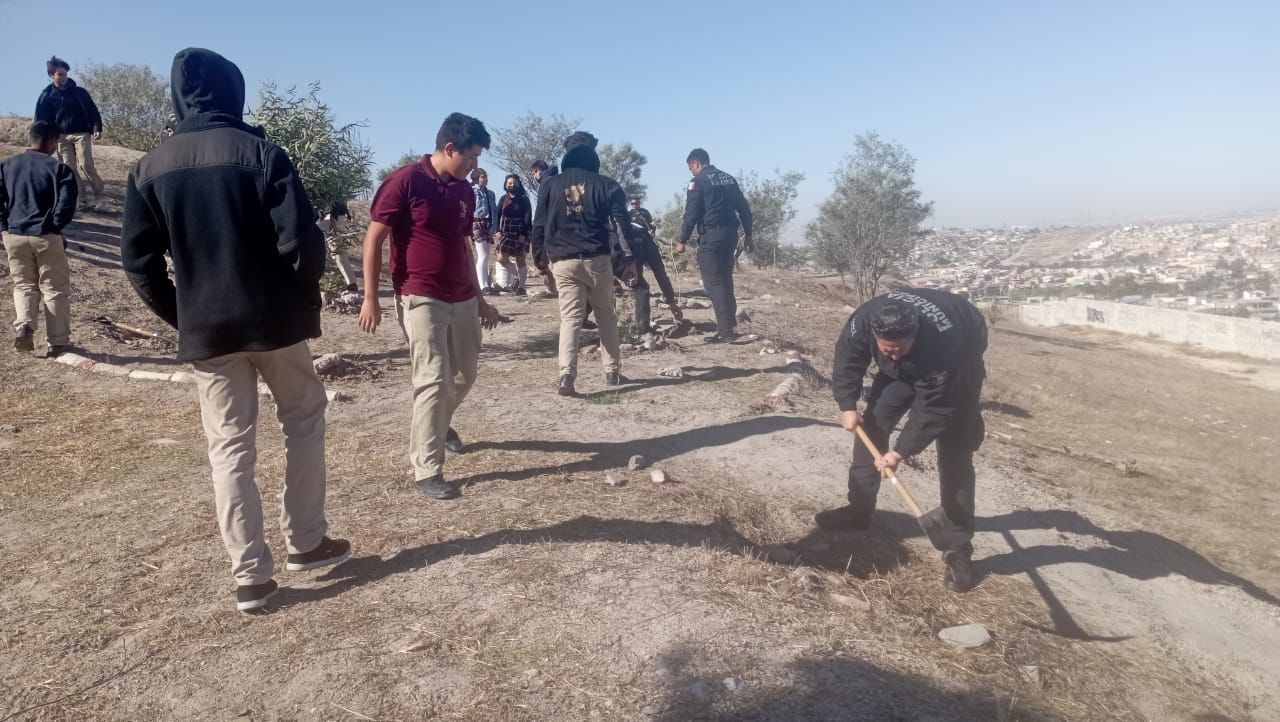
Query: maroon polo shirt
(430, 222)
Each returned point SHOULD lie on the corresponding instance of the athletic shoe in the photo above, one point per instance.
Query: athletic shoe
(453, 443)
(26, 339)
(255, 596)
(328, 553)
(844, 518)
(566, 386)
(434, 487)
(959, 574)
(59, 349)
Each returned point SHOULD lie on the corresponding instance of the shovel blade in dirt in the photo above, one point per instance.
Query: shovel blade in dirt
(934, 522)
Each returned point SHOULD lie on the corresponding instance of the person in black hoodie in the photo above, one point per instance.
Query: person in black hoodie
(576, 209)
(927, 347)
(229, 208)
(71, 110)
(37, 199)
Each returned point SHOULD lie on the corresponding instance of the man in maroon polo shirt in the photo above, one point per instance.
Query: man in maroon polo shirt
(428, 210)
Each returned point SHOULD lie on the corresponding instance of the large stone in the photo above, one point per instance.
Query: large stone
(966, 636)
(674, 373)
(658, 476)
(140, 375)
(852, 602)
(614, 480)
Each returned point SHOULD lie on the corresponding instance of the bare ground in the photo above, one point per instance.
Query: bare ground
(543, 593)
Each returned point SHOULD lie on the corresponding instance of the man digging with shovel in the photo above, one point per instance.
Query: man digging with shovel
(927, 346)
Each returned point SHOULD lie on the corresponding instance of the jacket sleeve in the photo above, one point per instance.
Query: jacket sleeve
(91, 109)
(64, 208)
(298, 240)
(143, 243)
(618, 211)
(44, 108)
(853, 356)
(526, 220)
(4, 202)
(693, 210)
(540, 226)
(744, 213)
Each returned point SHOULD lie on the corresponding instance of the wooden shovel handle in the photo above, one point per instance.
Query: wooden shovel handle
(906, 495)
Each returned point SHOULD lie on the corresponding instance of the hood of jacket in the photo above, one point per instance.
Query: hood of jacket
(204, 82)
(582, 156)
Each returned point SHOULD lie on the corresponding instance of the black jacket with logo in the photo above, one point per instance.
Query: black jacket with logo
(576, 208)
(37, 194)
(714, 202)
(944, 365)
(230, 209)
(70, 108)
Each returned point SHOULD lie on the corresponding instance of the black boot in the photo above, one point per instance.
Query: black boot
(959, 574)
(566, 386)
(453, 443)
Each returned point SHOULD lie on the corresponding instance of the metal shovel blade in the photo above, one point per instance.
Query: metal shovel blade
(937, 527)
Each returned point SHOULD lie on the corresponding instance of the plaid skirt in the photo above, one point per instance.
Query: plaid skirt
(480, 230)
(512, 245)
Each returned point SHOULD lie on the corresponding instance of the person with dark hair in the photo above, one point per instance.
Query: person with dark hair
(515, 222)
(228, 207)
(540, 170)
(333, 222)
(428, 209)
(37, 200)
(482, 229)
(927, 346)
(71, 110)
(571, 238)
(716, 208)
(648, 254)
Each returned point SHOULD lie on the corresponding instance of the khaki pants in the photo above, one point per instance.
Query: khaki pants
(38, 265)
(581, 282)
(444, 350)
(85, 168)
(228, 390)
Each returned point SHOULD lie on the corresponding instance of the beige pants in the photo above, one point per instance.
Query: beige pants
(228, 390)
(581, 282)
(444, 350)
(85, 168)
(38, 265)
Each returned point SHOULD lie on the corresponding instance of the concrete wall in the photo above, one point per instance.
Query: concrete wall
(1246, 336)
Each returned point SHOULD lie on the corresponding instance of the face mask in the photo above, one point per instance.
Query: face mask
(511, 190)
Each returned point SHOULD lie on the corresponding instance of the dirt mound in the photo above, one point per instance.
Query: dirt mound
(13, 130)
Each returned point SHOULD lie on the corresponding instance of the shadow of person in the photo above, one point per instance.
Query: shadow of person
(602, 455)
(1137, 554)
(879, 555)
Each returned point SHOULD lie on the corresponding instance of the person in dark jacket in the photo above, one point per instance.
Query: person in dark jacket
(648, 254)
(540, 170)
(927, 346)
(229, 208)
(37, 199)
(571, 238)
(71, 110)
(716, 208)
(515, 223)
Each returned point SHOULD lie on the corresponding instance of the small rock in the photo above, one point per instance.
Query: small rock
(658, 476)
(734, 684)
(350, 299)
(767, 297)
(165, 442)
(626, 347)
(696, 304)
(637, 462)
(751, 337)
(852, 602)
(744, 316)
(614, 480)
(1030, 673)
(966, 636)
(9, 428)
(664, 674)
(674, 373)
(700, 690)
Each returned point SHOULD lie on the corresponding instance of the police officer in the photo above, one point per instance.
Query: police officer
(647, 253)
(716, 207)
(928, 347)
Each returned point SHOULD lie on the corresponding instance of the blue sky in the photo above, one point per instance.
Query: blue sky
(1017, 112)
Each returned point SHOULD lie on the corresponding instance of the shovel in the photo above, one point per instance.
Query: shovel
(108, 321)
(934, 522)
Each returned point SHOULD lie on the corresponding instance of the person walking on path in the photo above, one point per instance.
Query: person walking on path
(571, 237)
(483, 228)
(716, 208)
(927, 346)
(428, 210)
(37, 200)
(515, 223)
(229, 208)
(70, 109)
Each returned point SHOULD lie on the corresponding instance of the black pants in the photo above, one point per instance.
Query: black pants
(716, 259)
(887, 402)
(648, 254)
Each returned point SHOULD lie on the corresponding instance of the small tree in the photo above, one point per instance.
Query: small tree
(133, 100)
(407, 159)
(331, 159)
(530, 138)
(871, 222)
(624, 164)
(772, 202)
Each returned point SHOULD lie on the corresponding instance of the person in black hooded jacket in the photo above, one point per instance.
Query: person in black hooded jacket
(69, 108)
(576, 210)
(229, 208)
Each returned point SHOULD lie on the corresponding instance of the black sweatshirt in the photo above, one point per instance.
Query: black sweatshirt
(230, 209)
(714, 201)
(576, 208)
(37, 194)
(70, 108)
(943, 365)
